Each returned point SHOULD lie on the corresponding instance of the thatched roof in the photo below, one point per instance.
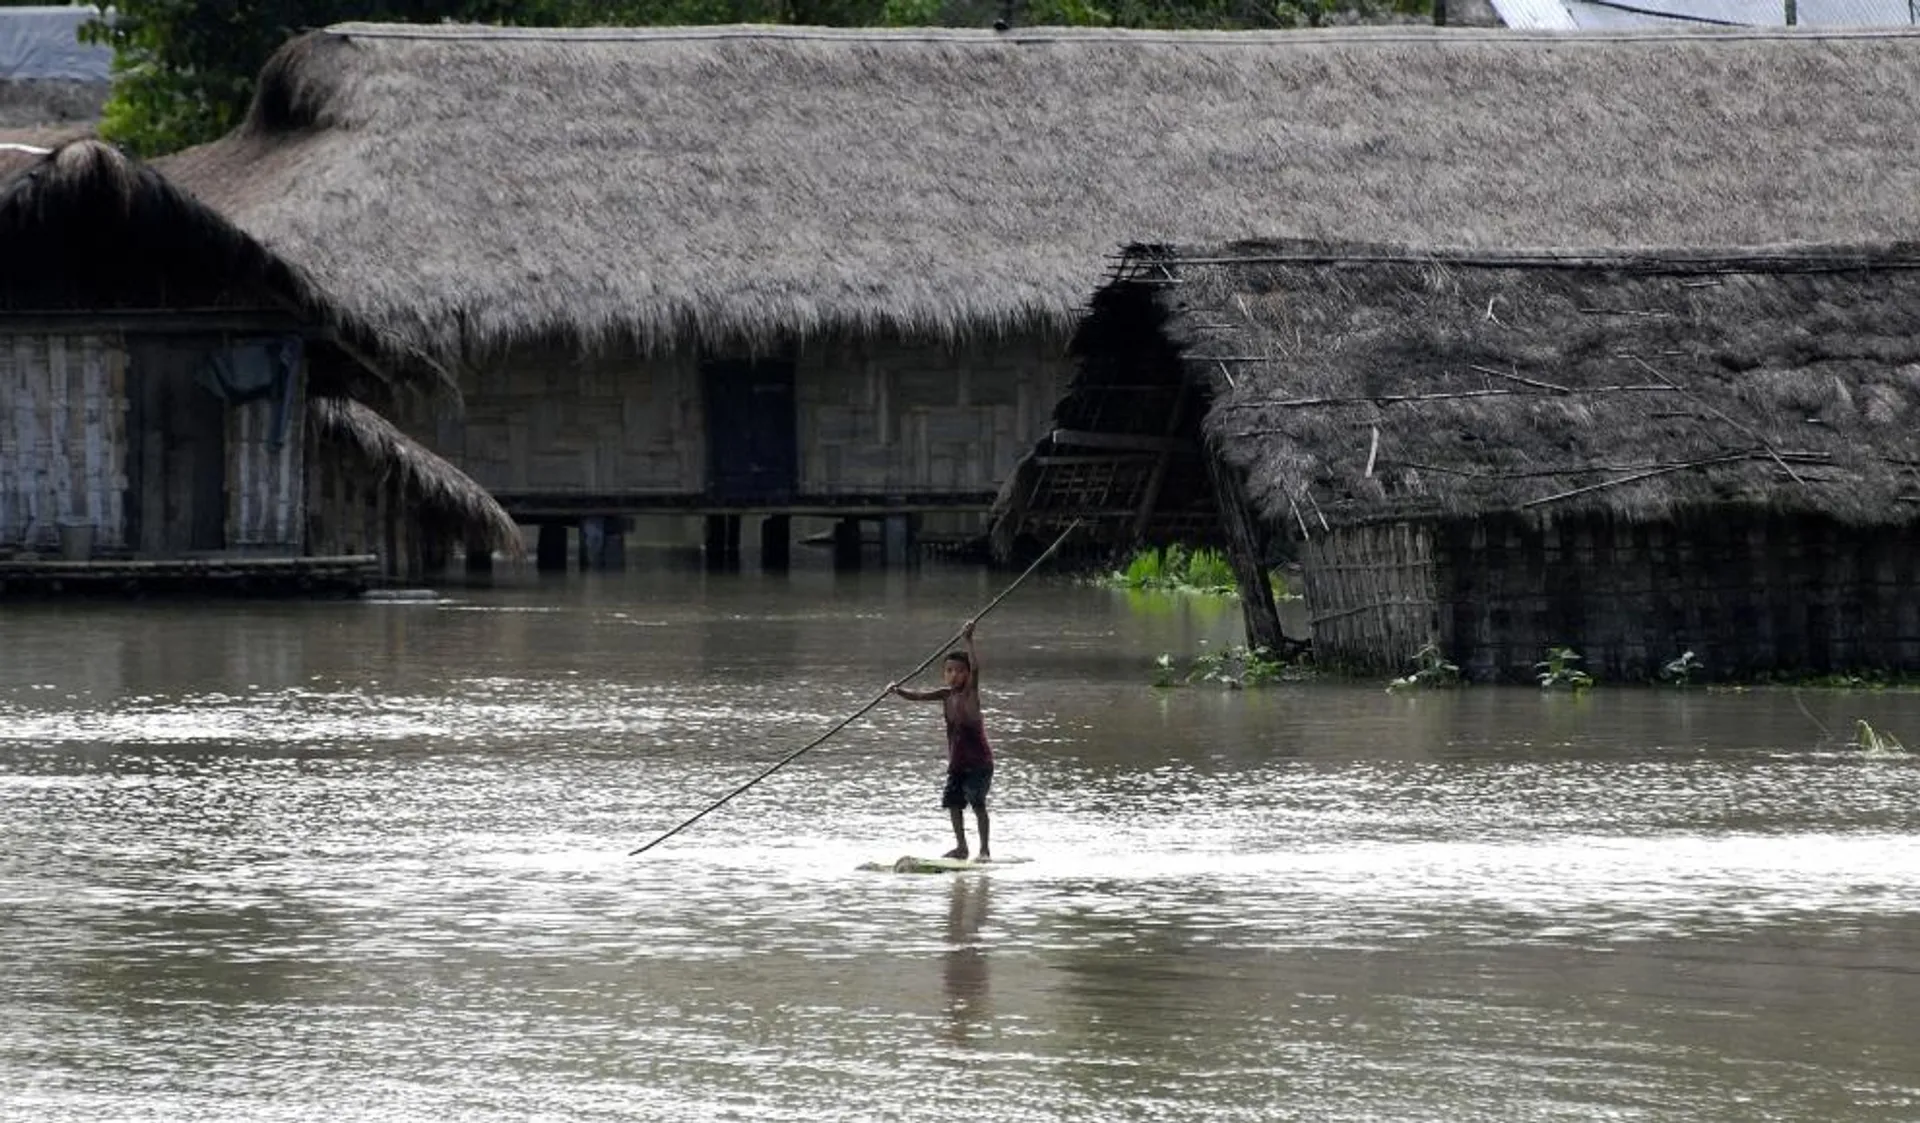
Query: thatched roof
(1358, 384)
(22, 148)
(465, 187)
(443, 496)
(86, 226)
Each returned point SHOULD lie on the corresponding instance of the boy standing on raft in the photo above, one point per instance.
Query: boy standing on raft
(969, 757)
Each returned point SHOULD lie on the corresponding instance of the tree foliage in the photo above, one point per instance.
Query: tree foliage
(184, 69)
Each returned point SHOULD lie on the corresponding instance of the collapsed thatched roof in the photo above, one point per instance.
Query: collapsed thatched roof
(463, 187)
(1361, 384)
(445, 497)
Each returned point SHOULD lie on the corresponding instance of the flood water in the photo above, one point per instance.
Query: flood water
(369, 862)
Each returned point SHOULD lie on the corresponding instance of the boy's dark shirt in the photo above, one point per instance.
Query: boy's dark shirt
(966, 733)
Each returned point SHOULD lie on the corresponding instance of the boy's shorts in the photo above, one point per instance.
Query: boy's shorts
(967, 787)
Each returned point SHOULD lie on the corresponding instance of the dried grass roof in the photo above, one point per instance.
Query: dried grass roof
(1360, 385)
(23, 148)
(443, 495)
(467, 187)
(85, 226)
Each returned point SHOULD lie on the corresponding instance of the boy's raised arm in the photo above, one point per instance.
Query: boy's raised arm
(973, 658)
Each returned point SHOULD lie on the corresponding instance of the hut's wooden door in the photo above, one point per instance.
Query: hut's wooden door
(177, 467)
(752, 439)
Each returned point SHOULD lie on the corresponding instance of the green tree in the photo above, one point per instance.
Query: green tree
(184, 69)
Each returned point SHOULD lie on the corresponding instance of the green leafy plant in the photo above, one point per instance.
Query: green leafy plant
(1145, 570)
(1430, 670)
(1559, 672)
(1178, 568)
(1208, 571)
(1680, 670)
(1261, 666)
(1870, 740)
(1232, 666)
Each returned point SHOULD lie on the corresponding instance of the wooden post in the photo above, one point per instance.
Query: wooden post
(1243, 550)
(897, 538)
(593, 542)
(846, 544)
(613, 544)
(434, 554)
(716, 548)
(550, 555)
(479, 555)
(776, 543)
(733, 541)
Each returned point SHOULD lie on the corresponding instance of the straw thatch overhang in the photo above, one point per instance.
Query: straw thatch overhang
(464, 188)
(94, 236)
(447, 502)
(88, 228)
(1356, 385)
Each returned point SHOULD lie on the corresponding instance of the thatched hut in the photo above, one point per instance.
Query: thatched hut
(1632, 454)
(160, 372)
(725, 267)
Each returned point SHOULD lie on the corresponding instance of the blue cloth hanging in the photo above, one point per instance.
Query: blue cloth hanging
(252, 369)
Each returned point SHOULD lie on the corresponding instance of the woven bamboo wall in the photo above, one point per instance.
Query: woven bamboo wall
(883, 415)
(266, 499)
(1749, 593)
(873, 415)
(544, 418)
(62, 438)
(1371, 595)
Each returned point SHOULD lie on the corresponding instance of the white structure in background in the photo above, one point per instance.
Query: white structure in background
(1611, 15)
(48, 77)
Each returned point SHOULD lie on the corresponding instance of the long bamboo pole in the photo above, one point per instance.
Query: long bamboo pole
(856, 715)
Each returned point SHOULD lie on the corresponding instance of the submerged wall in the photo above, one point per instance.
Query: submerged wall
(1751, 594)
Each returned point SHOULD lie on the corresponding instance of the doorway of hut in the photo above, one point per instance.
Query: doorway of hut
(177, 451)
(752, 430)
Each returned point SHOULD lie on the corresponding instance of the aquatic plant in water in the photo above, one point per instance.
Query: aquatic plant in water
(1430, 670)
(1871, 741)
(1233, 666)
(1681, 669)
(1558, 671)
(1178, 568)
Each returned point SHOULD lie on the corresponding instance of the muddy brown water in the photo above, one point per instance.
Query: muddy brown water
(356, 861)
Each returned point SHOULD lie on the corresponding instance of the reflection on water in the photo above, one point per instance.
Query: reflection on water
(301, 862)
(964, 972)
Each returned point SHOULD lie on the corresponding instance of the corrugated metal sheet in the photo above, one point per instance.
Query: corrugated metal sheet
(44, 43)
(1535, 15)
(1859, 13)
(1606, 15)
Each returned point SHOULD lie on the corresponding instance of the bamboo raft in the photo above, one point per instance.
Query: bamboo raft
(229, 575)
